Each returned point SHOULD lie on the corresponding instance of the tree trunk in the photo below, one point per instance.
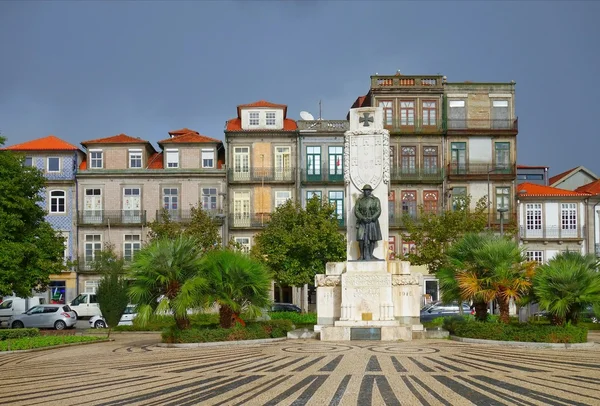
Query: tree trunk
(225, 316)
(182, 323)
(504, 310)
(481, 309)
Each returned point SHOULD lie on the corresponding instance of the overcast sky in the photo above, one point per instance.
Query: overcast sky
(92, 69)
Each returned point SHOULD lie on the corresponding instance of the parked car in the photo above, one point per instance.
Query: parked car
(45, 316)
(86, 305)
(285, 307)
(440, 309)
(126, 318)
(587, 314)
(12, 306)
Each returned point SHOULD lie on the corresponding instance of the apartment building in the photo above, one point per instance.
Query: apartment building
(124, 183)
(533, 174)
(58, 160)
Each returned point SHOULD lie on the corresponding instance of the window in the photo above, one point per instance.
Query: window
(131, 245)
(527, 176)
(95, 159)
(409, 159)
(312, 193)
(313, 163)
(135, 158)
(281, 197)
(502, 152)
(253, 118)
(91, 286)
(57, 201)
(66, 255)
(132, 205)
(568, 216)
(458, 156)
(172, 158)
(392, 207)
(336, 159)
(241, 163)
(241, 209)
(53, 164)
(459, 194)
(388, 112)
(208, 158)
(93, 245)
(407, 113)
(502, 201)
(336, 198)
(171, 200)
(28, 161)
(429, 113)
(457, 115)
(430, 160)
(537, 256)
(209, 198)
(500, 118)
(409, 203)
(430, 201)
(270, 118)
(244, 243)
(408, 247)
(533, 216)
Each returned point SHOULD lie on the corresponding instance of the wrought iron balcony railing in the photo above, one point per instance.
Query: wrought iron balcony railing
(482, 124)
(258, 220)
(417, 174)
(323, 125)
(414, 125)
(397, 217)
(111, 217)
(494, 171)
(186, 216)
(271, 175)
(552, 232)
(322, 174)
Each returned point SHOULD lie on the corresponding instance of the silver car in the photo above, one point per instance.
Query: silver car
(126, 318)
(45, 316)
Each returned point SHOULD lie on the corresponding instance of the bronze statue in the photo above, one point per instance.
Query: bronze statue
(367, 211)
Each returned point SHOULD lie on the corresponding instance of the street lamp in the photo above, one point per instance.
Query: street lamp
(489, 203)
(502, 210)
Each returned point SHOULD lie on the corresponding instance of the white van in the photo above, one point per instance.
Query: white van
(12, 306)
(86, 305)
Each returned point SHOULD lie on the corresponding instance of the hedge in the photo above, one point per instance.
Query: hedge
(18, 333)
(534, 333)
(252, 331)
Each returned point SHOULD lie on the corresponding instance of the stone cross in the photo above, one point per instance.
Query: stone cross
(366, 119)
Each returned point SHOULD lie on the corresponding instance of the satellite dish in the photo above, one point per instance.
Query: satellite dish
(305, 115)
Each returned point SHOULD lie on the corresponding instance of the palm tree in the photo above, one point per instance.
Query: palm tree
(167, 279)
(566, 285)
(236, 282)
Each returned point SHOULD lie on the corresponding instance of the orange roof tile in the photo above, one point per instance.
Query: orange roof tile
(182, 131)
(83, 165)
(191, 137)
(262, 103)
(116, 139)
(533, 190)
(593, 188)
(235, 124)
(558, 177)
(49, 143)
(156, 161)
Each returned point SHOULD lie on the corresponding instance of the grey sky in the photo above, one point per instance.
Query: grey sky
(85, 70)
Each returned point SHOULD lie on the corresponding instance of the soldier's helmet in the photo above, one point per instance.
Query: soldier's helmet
(367, 187)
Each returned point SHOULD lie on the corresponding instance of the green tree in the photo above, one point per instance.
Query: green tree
(30, 249)
(112, 292)
(167, 279)
(202, 227)
(237, 283)
(566, 285)
(434, 233)
(297, 242)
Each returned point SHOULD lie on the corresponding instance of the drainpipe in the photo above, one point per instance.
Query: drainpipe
(595, 226)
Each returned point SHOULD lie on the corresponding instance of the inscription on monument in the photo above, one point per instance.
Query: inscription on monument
(362, 333)
(374, 281)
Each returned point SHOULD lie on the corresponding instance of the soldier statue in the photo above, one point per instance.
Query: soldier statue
(367, 211)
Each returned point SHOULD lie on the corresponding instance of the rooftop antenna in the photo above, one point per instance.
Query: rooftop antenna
(319, 109)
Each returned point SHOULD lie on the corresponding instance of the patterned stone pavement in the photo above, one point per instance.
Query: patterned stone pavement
(132, 370)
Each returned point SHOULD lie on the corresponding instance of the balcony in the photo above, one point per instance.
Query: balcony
(111, 217)
(186, 216)
(322, 176)
(262, 175)
(259, 220)
(552, 233)
(323, 126)
(417, 175)
(482, 126)
(396, 218)
(481, 171)
(421, 83)
(415, 126)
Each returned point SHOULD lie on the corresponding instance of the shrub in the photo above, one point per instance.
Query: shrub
(27, 343)
(298, 319)
(18, 333)
(252, 331)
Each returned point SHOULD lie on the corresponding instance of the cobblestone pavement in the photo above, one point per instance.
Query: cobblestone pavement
(132, 370)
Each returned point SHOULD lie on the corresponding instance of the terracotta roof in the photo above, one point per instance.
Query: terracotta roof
(531, 167)
(235, 124)
(191, 137)
(558, 177)
(182, 131)
(533, 190)
(83, 165)
(117, 139)
(593, 188)
(49, 143)
(156, 161)
(263, 103)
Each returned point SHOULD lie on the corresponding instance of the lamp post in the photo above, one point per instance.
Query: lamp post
(502, 210)
(489, 203)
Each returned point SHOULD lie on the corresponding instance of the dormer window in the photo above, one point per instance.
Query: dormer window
(53, 164)
(96, 159)
(254, 118)
(270, 118)
(135, 158)
(208, 158)
(172, 158)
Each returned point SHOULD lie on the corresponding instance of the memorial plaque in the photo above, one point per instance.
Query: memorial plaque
(365, 333)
